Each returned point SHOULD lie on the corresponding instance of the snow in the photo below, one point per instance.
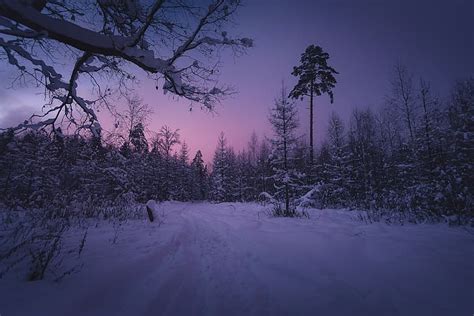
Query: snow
(307, 199)
(232, 259)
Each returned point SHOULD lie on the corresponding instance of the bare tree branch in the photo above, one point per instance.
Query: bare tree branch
(171, 39)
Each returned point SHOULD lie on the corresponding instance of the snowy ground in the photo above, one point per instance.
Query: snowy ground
(231, 259)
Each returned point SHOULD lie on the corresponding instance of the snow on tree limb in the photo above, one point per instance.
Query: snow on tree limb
(156, 37)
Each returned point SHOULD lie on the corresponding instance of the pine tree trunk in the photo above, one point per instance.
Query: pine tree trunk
(427, 128)
(311, 142)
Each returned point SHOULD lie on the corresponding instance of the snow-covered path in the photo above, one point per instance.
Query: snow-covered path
(231, 259)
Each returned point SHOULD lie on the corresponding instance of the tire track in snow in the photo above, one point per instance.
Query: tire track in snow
(128, 279)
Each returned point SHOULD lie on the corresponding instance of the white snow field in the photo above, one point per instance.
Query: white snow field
(232, 259)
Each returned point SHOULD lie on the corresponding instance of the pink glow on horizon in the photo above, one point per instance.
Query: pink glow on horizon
(364, 41)
(362, 48)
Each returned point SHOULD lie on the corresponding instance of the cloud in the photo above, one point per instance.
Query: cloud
(15, 109)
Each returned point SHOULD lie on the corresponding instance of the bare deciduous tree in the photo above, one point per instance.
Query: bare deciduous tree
(428, 102)
(135, 112)
(165, 140)
(403, 97)
(176, 42)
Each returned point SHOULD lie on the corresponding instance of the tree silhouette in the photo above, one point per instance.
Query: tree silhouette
(315, 77)
(284, 120)
(175, 42)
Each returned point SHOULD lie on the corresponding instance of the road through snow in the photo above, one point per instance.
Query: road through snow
(232, 259)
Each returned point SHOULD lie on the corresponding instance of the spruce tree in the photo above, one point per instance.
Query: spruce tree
(199, 187)
(220, 177)
(284, 120)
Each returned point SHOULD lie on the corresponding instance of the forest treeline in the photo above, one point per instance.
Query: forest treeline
(413, 156)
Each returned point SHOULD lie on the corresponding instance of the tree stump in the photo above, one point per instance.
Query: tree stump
(149, 211)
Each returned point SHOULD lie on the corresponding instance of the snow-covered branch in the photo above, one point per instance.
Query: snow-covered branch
(171, 40)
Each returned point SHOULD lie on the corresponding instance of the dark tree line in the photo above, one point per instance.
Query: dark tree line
(413, 157)
(45, 170)
(411, 160)
(51, 183)
(416, 157)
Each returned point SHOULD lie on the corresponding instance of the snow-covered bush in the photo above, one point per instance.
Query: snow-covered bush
(34, 238)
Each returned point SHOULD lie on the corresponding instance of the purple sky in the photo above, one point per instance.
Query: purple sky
(365, 39)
